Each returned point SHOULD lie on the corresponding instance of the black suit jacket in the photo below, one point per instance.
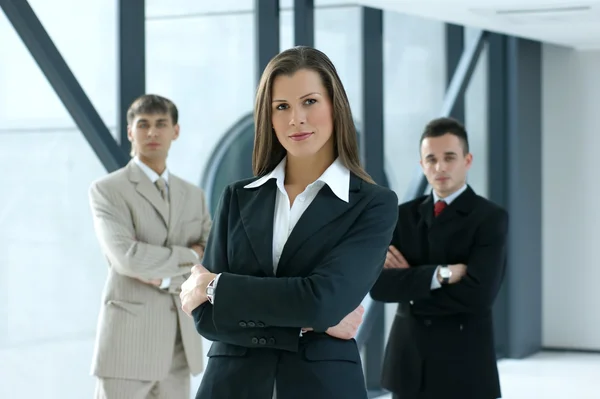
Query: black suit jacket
(329, 263)
(441, 344)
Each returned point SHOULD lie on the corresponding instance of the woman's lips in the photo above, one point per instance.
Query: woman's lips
(300, 136)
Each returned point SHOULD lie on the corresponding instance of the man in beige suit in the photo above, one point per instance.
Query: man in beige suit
(152, 227)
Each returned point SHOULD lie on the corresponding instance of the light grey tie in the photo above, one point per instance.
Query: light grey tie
(162, 188)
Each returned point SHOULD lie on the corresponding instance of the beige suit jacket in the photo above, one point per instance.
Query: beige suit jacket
(138, 322)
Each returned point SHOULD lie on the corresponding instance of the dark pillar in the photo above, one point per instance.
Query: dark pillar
(267, 33)
(372, 149)
(455, 43)
(497, 163)
(515, 182)
(304, 23)
(372, 78)
(131, 61)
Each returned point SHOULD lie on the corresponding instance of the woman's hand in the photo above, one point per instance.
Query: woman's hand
(193, 290)
(348, 327)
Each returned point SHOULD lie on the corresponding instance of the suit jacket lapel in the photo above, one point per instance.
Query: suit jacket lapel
(257, 209)
(426, 210)
(325, 209)
(144, 186)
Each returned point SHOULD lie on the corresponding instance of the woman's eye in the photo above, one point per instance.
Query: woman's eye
(310, 101)
(282, 106)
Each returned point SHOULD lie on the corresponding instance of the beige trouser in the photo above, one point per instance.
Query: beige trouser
(176, 384)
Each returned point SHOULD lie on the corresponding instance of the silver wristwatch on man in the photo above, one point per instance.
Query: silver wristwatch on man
(445, 274)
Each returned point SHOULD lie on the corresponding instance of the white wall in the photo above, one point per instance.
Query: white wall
(571, 191)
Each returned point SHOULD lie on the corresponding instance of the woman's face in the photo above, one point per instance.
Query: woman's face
(302, 114)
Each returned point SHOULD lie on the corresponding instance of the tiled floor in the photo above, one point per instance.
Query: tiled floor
(550, 375)
(59, 370)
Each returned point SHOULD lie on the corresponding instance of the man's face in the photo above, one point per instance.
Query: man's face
(444, 163)
(151, 136)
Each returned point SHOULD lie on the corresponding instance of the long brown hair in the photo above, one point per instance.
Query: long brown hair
(268, 151)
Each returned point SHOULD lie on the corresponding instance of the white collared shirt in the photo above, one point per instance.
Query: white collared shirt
(153, 176)
(448, 200)
(336, 176)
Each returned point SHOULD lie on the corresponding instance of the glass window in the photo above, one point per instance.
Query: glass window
(476, 119)
(205, 65)
(27, 100)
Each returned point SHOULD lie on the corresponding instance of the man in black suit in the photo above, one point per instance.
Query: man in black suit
(444, 268)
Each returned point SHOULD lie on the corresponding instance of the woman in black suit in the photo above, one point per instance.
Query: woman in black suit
(293, 251)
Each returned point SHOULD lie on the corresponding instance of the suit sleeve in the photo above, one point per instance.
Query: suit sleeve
(477, 290)
(215, 260)
(115, 231)
(403, 285)
(336, 286)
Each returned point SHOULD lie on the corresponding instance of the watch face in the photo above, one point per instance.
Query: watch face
(445, 272)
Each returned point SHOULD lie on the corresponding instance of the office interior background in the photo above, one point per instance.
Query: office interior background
(522, 75)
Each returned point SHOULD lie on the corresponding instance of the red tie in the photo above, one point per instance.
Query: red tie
(439, 207)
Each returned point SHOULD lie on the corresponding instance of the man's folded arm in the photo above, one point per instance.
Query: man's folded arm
(403, 285)
(477, 290)
(114, 228)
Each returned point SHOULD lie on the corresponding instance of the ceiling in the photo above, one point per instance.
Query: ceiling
(569, 23)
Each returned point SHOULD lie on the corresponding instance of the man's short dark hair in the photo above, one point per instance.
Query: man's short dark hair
(441, 126)
(152, 104)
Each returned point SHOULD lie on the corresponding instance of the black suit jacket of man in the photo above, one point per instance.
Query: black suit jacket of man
(329, 263)
(441, 344)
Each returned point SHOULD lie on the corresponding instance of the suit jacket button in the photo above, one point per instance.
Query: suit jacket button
(427, 322)
(260, 324)
(242, 324)
(254, 340)
(251, 324)
(271, 341)
(262, 341)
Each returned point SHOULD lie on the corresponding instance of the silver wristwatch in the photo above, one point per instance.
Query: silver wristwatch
(445, 274)
(210, 290)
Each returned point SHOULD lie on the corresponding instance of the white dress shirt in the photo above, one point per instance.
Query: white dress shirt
(435, 284)
(153, 176)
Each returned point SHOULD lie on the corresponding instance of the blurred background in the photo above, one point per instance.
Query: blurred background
(523, 76)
